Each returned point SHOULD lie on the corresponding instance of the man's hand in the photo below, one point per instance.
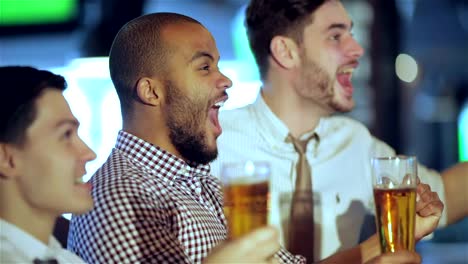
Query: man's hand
(399, 257)
(256, 247)
(429, 209)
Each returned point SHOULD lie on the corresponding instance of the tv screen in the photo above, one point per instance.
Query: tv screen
(17, 16)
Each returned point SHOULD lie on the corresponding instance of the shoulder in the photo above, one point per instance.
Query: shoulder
(120, 188)
(118, 171)
(344, 123)
(132, 186)
(361, 135)
(345, 131)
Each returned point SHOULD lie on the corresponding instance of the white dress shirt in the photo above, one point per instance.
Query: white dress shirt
(17, 246)
(341, 172)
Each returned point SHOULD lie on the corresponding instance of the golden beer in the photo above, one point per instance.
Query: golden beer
(395, 217)
(245, 207)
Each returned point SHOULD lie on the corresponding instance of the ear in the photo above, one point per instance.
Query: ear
(148, 91)
(285, 52)
(7, 164)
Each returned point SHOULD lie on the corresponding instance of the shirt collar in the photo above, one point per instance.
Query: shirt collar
(273, 129)
(26, 243)
(157, 159)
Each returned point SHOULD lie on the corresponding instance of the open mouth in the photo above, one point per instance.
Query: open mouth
(344, 77)
(82, 185)
(213, 114)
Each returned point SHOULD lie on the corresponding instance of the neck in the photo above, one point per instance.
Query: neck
(151, 129)
(38, 223)
(292, 108)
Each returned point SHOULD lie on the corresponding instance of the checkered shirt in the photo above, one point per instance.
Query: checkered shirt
(151, 207)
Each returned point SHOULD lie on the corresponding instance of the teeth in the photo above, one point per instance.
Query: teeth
(79, 180)
(350, 70)
(219, 104)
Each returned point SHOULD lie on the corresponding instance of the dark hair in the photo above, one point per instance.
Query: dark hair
(138, 50)
(21, 86)
(266, 19)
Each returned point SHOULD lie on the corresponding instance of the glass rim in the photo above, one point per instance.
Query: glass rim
(395, 157)
(243, 170)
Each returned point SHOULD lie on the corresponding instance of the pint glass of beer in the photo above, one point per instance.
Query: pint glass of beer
(394, 184)
(246, 196)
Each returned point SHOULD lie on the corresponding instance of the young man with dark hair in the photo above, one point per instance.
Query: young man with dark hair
(42, 161)
(306, 55)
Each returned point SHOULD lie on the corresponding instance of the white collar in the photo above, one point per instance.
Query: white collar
(26, 243)
(273, 129)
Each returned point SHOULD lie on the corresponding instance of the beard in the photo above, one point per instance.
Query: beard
(317, 84)
(185, 119)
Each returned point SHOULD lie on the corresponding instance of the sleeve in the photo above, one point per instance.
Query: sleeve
(286, 257)
(127, 225)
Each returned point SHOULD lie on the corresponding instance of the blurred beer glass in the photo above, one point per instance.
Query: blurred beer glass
(394, 184)
(246, 196)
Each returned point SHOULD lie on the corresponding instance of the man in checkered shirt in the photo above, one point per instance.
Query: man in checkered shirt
(155, 200)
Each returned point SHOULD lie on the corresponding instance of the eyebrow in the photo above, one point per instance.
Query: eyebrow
(64, 122)
(340, 26)
(201, 54)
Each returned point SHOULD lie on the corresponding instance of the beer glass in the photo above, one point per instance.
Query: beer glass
(246, 196)
(394, 184)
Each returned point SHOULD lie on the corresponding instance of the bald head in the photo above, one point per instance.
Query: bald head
(139, 50)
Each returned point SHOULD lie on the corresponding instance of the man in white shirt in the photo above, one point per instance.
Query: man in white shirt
(42, 161)
(306, 55)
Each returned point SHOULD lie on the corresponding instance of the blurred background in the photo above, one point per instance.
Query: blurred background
(411, 87)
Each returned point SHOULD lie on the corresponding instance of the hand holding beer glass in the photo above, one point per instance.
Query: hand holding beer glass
(394, 184)
(246, 196)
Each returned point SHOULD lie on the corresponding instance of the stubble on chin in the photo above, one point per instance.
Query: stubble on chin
(184, 119)
(341, 104)
(191, 142)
